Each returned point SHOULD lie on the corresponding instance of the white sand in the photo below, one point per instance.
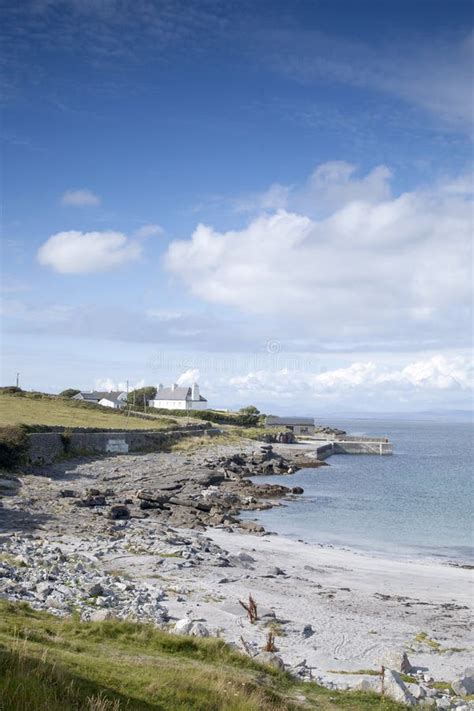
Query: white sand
(352, 627)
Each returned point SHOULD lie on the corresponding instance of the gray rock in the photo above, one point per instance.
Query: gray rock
(119, 511)
(368, 685)
(100, 615)
(183, 626)
(443, 703)
(199, 630)
(397, 660)
(307, 631)
(464, 684)
(271, 659)
(95, 590)
(44, 588)
(395, 689)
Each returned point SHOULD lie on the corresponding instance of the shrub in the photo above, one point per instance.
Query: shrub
(13, 445)
(141, 396)
(69, 393)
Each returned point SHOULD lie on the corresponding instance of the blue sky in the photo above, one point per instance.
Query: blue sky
(273, 198)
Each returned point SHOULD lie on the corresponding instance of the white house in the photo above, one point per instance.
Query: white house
(115, 399)
(179, 398)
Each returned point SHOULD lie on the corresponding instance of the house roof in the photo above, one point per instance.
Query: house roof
(112, 397)
(176, 394)
(96, 395)
(273, 420)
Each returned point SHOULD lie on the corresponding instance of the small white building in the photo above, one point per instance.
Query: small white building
(179, 398)
(115, 399)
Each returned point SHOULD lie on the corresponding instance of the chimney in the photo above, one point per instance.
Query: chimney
(174, 386)
(195, 392)
(160, 386)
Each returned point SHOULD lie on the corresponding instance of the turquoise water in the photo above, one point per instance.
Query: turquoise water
(417, 502)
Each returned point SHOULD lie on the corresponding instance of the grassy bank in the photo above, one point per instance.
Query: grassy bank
(50, 664)
(37, 409)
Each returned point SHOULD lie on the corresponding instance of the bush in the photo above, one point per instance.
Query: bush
(13, 446)
(141, 396)
(220, 418)
(10, 390)
(69, 393)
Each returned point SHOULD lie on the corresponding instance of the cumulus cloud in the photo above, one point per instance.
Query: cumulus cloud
(80, 198)
(110, 385)
(373, 264)
(77, 252)
(189, 377)
(437, 373)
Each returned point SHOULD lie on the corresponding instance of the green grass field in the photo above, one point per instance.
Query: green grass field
(53, 664)
(28, 409)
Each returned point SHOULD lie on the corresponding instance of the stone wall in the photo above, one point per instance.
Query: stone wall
(45, 447)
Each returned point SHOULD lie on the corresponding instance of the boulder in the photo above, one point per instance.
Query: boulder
(183, 626)
(397, 660)
(95, 590)
(100, 615)
(95, 500)
(464, 684)
(271, 659)
(199, 630)
(119, 511)
(297, 490)
(395, 689)
(307, 631)
(252, 526)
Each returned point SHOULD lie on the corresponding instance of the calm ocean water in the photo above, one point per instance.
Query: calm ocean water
(418, 502)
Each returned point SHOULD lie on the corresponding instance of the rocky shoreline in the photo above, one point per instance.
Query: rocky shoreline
(157, 537)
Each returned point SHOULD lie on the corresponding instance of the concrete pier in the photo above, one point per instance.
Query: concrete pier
(354, 445)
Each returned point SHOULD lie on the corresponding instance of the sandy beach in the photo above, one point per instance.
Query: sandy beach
(331, 610)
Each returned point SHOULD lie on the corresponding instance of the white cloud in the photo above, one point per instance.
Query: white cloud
(148, 231)
(437, 373)
(373, 265)
(109, 384)
(189, 377)
(77, 252)
(433, 73)
(80, 198)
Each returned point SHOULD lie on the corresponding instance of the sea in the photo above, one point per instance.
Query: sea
(415, 503)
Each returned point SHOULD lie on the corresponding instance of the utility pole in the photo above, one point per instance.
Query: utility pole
(18, 380)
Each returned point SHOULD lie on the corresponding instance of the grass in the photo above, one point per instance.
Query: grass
(53, 664)
(423, 638)
(30, 409)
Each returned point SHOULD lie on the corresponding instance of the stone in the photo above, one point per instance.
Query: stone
(271, 659)
(119, 511)
(397, 660)
(252, 526)
(44, 588)
(464, 684)
(96, 590)
(419, 692)
(100, 615)
(395, 689)
(98, 500)
(297, 490)
(307, 631)
(199, 630)
(67, 493)
(183, 626)
(443, 703)
(368, 685)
